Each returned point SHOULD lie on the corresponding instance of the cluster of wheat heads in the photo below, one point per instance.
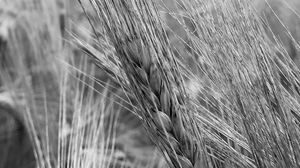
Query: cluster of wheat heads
(242, 114)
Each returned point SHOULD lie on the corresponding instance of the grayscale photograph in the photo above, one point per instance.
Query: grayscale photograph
(149, 83)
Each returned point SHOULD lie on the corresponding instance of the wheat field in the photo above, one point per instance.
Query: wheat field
(149, 83)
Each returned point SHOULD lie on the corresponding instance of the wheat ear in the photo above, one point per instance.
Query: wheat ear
(142, 48)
